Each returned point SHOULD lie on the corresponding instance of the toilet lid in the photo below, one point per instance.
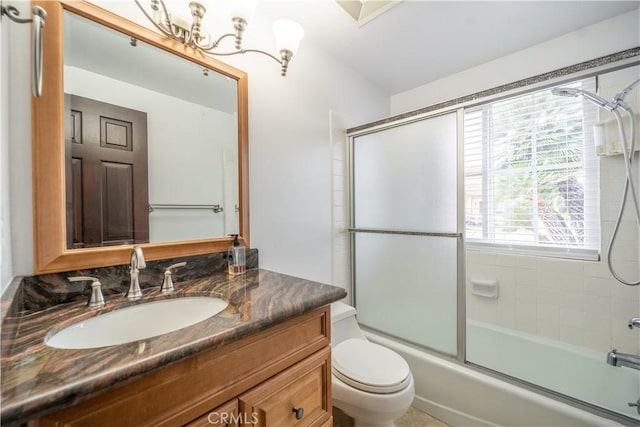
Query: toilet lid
(370, 367)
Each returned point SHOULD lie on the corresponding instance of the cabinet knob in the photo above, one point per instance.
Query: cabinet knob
(299, 412)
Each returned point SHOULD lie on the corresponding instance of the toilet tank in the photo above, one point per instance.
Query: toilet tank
(343, 323)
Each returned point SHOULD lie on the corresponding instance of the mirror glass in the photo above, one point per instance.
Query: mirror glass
(151, 142)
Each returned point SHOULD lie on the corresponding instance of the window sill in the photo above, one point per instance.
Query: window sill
(535, 251)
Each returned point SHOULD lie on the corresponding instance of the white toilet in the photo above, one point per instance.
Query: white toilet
(371, 383)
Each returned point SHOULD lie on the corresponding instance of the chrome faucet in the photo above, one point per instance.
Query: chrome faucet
(621, 359)
(137, 264)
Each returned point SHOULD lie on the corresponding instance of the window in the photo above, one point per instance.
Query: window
(531, 174)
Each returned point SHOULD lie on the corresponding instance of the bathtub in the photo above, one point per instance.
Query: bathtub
(462, 396)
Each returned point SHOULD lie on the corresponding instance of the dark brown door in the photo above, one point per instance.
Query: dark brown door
(106, 170)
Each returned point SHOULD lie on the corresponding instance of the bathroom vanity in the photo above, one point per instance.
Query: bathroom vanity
(264, 360)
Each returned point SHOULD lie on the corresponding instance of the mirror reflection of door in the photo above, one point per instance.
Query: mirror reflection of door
(106, 182)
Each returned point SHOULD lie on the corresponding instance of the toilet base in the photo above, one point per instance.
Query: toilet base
(367, 423)
(340, 419)
(369, 409)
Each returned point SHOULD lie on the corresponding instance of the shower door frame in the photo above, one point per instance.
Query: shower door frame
(458, 235)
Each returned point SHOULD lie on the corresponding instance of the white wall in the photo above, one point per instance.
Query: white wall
(289, 154)
(291, 191)
(6, 268)
(20, 143)
(341, 268)
(610, 36)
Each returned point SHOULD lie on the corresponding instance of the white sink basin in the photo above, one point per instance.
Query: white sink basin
(137, 322)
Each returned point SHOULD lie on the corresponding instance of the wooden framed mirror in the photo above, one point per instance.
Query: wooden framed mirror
(52, 250)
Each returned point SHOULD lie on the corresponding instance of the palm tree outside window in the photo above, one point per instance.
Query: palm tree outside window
(531, 175)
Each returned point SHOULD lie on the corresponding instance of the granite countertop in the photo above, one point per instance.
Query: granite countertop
(37, 379)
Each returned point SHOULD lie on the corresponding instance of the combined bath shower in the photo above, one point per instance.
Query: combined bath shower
(614, 106)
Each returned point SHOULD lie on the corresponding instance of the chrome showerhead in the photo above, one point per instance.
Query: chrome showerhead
(564, 91)
(599, 101)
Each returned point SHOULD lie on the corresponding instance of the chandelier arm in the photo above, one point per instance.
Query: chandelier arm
(179, 33)
(166, 22)
(188, 35)
(279, 61)
(159, 27)
(166, 14)
(286, 57)
(243, 51)
(215, 44)
(203, 47)
(14, 14)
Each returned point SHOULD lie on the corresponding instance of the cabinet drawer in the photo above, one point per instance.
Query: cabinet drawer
(225, 415)
(298, 396)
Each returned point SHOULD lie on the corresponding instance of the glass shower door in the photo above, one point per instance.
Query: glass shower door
(405, 231)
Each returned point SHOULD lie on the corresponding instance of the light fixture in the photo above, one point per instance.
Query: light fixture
(288, 33)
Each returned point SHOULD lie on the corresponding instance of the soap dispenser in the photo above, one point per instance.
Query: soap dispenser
(236, 257)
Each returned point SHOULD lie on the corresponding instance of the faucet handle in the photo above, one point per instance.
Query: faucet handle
(635, 322)
(167, 284)
(96, 299)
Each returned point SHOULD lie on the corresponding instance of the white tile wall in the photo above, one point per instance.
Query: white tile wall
(577, 302)
(573, 301)
(341, 275)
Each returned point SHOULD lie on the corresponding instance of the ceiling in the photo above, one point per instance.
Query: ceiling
(416, 42)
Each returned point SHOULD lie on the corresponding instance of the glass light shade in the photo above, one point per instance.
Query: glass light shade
(288, 35)
(242, 9)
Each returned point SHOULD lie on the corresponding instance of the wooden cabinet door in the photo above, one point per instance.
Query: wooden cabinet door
(106, 167)
(299, 396)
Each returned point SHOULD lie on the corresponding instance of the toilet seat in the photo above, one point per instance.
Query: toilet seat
(370, 367)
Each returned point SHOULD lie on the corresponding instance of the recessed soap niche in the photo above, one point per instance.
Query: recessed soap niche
(607, 136)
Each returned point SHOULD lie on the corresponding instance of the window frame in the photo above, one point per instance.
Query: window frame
(590, 248)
